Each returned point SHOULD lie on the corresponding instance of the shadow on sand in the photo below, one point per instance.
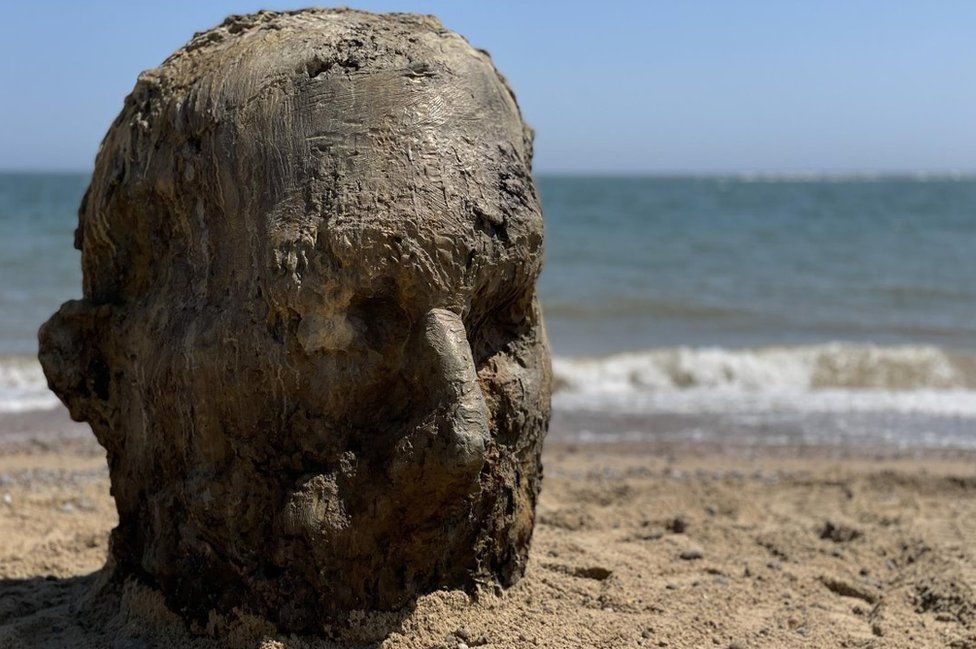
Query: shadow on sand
(41, 611)
(90, 611)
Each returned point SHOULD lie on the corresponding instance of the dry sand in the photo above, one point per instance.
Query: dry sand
(636, 545)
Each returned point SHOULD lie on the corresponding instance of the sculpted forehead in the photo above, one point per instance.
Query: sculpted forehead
(345, 95)
(418, 163)
(422, 170)
(321, 144)
(391, 125)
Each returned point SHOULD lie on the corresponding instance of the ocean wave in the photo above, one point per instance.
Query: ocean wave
(807, 367)
(23, 386)
(835, 377)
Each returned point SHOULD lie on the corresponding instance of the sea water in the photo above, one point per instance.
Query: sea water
(741, 309)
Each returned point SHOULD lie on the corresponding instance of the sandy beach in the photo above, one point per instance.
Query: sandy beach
(654, 545)
(446, 326)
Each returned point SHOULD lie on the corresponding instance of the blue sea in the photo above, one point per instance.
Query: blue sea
(741, 309)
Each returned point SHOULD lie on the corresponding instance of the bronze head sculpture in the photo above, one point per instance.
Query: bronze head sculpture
(309, 340)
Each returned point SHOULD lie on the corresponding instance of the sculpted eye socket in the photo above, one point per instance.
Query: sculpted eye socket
(381, 321)
(493, 324)
(505, 304)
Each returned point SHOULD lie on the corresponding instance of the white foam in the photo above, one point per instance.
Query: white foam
(832, 377)
(23, 386)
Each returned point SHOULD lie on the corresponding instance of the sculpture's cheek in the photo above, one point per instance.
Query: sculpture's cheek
(326, 332)
(517, 382)
(315, 510)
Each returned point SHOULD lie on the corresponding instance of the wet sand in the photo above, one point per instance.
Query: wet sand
(653, 544)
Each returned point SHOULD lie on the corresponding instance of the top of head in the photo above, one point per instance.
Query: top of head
(305, 151)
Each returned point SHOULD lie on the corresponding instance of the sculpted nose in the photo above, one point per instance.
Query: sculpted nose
(449, 373)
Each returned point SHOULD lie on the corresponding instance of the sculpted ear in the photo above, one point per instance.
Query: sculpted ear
(73, 361)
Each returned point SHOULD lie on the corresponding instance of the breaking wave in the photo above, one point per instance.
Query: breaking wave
(834, 377)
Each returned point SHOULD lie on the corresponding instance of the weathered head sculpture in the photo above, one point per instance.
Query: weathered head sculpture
(309, 340)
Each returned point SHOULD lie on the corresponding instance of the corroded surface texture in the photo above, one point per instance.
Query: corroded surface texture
(309, 340)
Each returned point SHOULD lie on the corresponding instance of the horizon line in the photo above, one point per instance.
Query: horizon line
(743, 174)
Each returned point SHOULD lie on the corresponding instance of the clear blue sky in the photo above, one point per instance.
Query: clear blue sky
(611, 86)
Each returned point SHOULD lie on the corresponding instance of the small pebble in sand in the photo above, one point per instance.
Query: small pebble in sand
(676, 525)
(692, 553)
(838, 532)
(8, 499)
